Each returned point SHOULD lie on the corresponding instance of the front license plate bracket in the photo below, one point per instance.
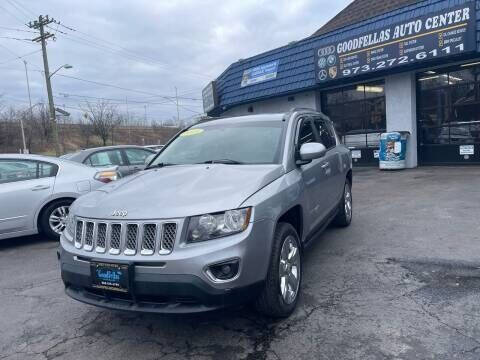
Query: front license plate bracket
(115, 277)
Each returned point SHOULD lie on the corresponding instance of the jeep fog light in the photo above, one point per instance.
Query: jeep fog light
(212, 226)
(223, 271)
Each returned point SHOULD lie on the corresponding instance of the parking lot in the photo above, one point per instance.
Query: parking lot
(403, 282)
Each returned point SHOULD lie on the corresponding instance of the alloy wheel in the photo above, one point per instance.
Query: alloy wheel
(58, 219)
(348, 202)
(289, 270)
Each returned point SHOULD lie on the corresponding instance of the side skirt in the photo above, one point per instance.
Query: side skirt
(320, 228)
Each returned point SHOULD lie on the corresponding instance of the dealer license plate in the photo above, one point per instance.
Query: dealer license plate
(106, 276)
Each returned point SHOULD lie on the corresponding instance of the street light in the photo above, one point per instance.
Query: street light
(66, 66)
(48, 76)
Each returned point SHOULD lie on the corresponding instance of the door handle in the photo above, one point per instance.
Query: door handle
(40, 187)
(326, 165)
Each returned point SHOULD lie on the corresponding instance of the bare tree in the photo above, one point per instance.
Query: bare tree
(85, 129)
(40, 124)
(103, 117)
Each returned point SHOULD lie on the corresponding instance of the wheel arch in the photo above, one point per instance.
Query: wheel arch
(48, 203)
(294, 217)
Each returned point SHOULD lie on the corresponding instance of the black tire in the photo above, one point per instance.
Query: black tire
(43, 221)
(344, 217)
(271, 302)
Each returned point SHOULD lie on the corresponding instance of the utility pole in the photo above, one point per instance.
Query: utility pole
(39, 25)
(31, 110)
(145, 106)
(178, 111)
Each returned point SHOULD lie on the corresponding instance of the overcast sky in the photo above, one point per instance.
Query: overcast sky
(150, 46)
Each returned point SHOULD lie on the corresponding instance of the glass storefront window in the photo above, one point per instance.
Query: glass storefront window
(358, 113)
(449, 106)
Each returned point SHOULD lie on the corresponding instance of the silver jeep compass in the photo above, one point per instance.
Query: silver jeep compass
(220, 217)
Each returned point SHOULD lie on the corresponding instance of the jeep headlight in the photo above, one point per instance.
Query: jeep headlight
(212, 226)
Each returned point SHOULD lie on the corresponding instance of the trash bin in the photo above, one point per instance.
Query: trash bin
(393, 150)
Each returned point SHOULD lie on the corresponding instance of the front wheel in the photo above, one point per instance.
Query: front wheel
(345, 208)
(54, 218)
(282, 285)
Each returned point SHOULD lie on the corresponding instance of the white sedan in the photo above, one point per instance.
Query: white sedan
(36, 192)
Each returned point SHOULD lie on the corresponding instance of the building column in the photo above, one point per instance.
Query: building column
(401, 110)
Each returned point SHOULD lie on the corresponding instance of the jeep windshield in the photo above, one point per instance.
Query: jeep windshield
(235, 143)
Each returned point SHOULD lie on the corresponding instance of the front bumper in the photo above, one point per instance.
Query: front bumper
(176, 283)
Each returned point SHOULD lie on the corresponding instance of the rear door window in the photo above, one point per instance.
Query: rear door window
(105, 158)
(47, 170)
(137, 156)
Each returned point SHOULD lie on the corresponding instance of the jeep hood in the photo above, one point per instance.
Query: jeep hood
(178, 191)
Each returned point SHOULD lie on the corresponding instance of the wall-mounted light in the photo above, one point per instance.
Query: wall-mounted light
(370, 89)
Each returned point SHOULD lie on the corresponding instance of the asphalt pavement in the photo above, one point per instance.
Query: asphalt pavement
(402, 282)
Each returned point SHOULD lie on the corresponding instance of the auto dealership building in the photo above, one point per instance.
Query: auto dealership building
(377, 66)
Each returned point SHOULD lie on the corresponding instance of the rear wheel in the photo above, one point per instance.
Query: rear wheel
(54, 218)
(282, 285)
(345, 208)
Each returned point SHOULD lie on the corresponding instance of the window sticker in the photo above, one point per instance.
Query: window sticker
(192, 132)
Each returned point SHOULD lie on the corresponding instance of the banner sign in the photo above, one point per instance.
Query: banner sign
(210, 97)
(445, 33)
(260, 73)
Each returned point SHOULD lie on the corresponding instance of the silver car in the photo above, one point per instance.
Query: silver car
(221, 216)
(36, 192)
(128, 158)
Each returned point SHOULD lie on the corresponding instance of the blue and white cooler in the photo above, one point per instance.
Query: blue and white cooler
(393, 150)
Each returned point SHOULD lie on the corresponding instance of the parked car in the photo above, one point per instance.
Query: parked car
(36, 192)
(155, 148)
(129, 159)
(222, 216)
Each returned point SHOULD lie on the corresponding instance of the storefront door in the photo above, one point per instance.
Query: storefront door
(449, 115)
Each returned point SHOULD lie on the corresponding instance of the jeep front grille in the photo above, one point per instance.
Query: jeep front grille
(129, 238)
(115, 239)
(89, 236)
(168, 237)
(149, 239)
(101, 238)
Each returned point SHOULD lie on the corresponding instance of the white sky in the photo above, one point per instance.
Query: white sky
(151, 46)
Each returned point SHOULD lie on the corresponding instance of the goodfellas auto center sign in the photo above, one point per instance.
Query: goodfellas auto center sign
(445, 33)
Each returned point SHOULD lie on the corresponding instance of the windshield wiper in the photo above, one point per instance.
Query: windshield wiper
(224, 161)
(160, 165)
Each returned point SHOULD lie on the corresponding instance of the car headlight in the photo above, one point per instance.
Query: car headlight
(212, 226)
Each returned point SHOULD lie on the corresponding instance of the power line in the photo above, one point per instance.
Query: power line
(166, 97)
(80, 40)
(12, 14)
(24, 7)
(20, 30)
(130, 52)
(18, 57)
(122, 101)
(18, 8)
(14, 38)
(115, 86)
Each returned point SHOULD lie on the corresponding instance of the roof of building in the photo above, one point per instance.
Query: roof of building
(359, 10)
(296, 69)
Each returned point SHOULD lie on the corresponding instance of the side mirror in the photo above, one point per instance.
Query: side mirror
(312, 151)
(149, 158)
